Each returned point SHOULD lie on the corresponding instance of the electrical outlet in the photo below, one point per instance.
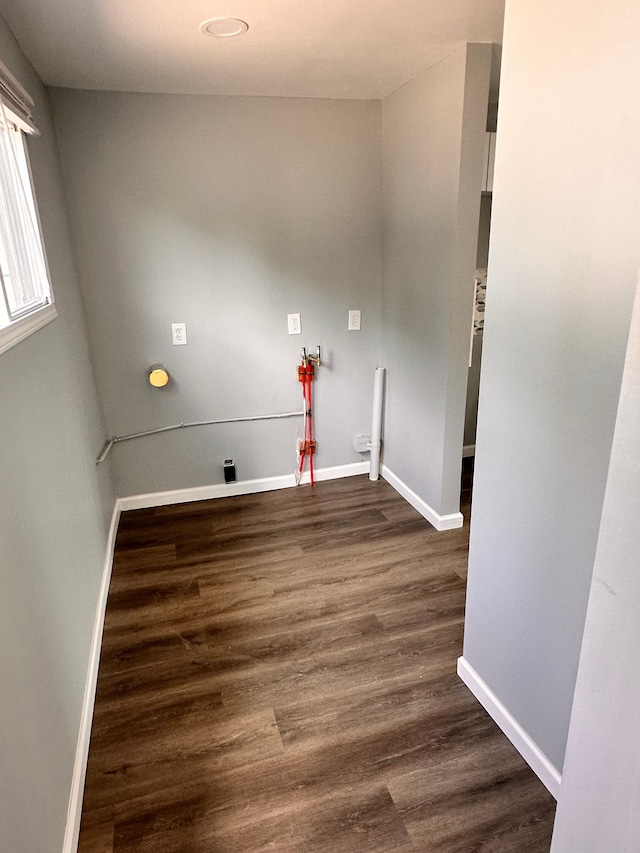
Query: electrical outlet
(354, 319)
(179, 334)
(362, 443)
(295, 326)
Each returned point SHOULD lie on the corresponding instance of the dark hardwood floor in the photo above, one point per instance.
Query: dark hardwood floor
(278, 673)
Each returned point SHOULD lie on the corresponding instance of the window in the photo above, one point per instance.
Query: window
(26, 301)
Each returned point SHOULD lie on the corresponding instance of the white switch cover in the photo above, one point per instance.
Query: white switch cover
(179, 334)
(295, 326)
(354, 320)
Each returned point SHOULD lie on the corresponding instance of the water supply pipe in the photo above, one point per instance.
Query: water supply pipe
(116, 439)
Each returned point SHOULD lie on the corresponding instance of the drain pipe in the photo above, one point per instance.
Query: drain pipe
(376, 423)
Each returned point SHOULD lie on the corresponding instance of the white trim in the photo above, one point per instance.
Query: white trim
(440, 522)
(15, 332)
(241, 487)
(523, 742)
(468, 450)
(74, 813)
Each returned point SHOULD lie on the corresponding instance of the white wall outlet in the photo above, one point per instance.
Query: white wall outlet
(354, 319)
(361, 443)
(295, 326)
(179, 334)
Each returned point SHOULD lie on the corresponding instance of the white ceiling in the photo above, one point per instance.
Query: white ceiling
(327, 49)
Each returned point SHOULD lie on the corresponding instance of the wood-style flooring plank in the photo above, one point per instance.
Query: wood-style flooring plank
(278, 673)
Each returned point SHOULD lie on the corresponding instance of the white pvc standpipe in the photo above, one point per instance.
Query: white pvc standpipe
(376, 423)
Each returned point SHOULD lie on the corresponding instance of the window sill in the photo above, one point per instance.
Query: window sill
(16, 332)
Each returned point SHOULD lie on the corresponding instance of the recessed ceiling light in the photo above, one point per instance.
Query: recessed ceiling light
(224, 27)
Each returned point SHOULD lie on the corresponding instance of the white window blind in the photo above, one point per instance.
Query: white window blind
(17, 99)
(24, 282)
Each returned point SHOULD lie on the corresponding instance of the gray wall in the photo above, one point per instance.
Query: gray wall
(227, 214)
(484, 231)
(563, 263)
(54, 513)
(598, 806)
(433, 136)
(473, 389)
(473, 383)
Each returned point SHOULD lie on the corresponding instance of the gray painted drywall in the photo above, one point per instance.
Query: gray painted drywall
(473, 389)
(484, 231)
(563, 262)
(433, 132)
(598, 807)
(473, 382)
(54, 513)
(226, 214)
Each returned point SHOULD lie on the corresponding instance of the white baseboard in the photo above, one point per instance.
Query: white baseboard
(242, 487)
(526, 746)
(74, 813)
(440, 522)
